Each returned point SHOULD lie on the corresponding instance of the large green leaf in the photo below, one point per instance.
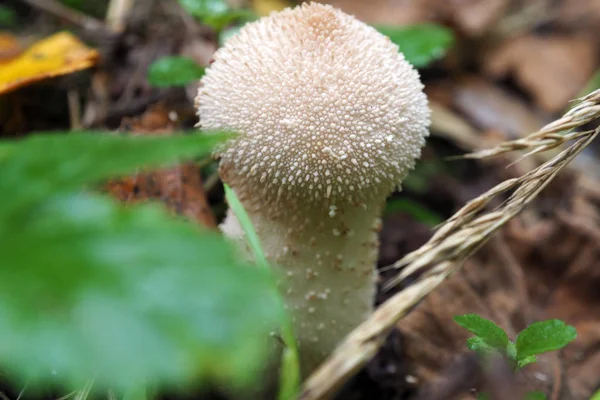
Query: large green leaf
(90, 289)
(44, 164)
(421, 43)
(544, 336)
(174, 71)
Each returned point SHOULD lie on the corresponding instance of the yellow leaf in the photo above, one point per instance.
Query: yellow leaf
(265, 7)
(59, 54)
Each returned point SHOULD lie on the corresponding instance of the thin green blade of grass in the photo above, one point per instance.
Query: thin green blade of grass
(289, 379)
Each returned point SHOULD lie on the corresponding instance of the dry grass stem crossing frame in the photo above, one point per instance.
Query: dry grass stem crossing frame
(455, 241)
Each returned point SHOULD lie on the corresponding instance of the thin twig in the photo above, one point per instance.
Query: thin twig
(461, 236)
(73, 16)
(117, 14)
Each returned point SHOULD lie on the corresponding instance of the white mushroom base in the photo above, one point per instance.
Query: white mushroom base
(327, 271)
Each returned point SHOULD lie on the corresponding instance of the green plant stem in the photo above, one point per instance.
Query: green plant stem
(289, 379)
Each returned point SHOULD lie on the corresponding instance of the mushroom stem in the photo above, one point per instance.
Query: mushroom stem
(326, 259)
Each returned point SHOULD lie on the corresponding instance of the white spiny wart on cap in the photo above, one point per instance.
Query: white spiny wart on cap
(330, 118)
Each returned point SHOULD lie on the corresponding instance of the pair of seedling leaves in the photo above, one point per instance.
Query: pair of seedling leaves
(537, 338)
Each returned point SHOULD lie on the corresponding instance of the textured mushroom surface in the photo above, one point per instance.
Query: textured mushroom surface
(330, 119)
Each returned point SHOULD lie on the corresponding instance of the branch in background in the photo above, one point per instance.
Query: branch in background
(117, 14)
(75, 17)
(462, 235)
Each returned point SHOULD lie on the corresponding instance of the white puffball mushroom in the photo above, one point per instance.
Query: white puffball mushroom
(331, 118)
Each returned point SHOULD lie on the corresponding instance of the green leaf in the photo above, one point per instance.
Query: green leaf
(535, 396)
(41, 165)
(526, 361)
(215, 13)
(89, 288)
(483, 396)
(76, 4)
(174, 71)
(414, 209)
(544, 336)
(5, 149)
(421, 44)
(596, 396)
(8, 17)
(491, 333)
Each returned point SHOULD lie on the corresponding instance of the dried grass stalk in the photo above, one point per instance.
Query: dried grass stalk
(554, 134)
(457, 239)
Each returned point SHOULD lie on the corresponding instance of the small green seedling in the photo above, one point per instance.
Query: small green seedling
(537, 338)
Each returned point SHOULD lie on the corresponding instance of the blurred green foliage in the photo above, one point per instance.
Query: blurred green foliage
(421, 44)
(535, 396)
(215, 13)
(419, 180)
(92, 289)
(414, 209)
(174, 71)
(8, 17)
(96, 8)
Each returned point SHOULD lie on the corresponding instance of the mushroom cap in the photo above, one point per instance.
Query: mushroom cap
(326, 108)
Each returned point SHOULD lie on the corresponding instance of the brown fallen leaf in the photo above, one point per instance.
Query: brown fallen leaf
(476, 17)
(472, 17)
(390, 12)
(9, 47)
(490, 107)
(59, 54)
(180, 188)
(553, 69)
(577, 14)
(543, 265)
